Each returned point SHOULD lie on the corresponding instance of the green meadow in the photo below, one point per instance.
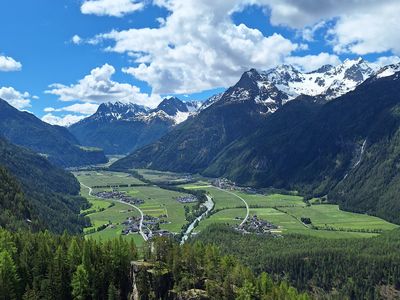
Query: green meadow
(285, 211)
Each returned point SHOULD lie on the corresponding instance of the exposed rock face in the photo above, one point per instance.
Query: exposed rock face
(150, 279)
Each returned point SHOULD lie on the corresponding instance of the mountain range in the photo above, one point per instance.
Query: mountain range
(322, 143)
(120, 128)
(54, 142)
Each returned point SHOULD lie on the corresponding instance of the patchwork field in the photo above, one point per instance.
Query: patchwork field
(285, 211)
(326, 215)
(103, 178)
(157, 202)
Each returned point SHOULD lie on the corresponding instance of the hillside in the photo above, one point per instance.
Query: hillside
(54, 142)
(37, 190)
(305, 145)
(14, 209)
(347, 148)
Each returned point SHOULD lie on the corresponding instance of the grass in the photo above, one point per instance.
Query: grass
(226, 216)
(326, 215)
(115, 214)
(159, 202)
(288, 224)
(273, 200)
(284, 211)
(160, 177)
(224, 200)
(111, 233)
(94, 178)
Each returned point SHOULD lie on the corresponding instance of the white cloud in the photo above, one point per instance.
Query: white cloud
(312, 62)
(8, 64)
(98, 87)
(369, 30)
(198, 47)
(82, 108)
(19, 100)
(360, 27)
(387, 60)
(76, 39)
(66, 120)
(114, 8)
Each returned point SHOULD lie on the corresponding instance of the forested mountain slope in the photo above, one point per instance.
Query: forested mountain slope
(347, 147)
(34, 189)
(54, 142)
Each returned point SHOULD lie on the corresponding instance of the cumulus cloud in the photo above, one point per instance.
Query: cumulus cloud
(82, 108)
(312, 62)
(114, 8)
(20, 100)
(76, 39)
(360, 27)
(197, 47)
(8, 64)
(368, 30)
(98, 87)
(66, 120)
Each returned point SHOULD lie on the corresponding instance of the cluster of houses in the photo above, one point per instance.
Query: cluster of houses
(226, 184)
(151, 226)
(257, 226)
(187, 199)
(121, 196)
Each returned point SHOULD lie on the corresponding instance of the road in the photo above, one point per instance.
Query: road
(135, 207)
(244, 201)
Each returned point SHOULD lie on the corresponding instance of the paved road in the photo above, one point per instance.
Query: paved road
(244, 201)
(135, 207)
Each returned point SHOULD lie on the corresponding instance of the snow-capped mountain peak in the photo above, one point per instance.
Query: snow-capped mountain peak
(328, 81)
(388, 70)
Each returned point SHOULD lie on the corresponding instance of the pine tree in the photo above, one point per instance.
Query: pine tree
(8, 277)
(112, 292)
(80, 283)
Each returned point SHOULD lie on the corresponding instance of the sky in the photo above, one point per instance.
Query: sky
(61, 59)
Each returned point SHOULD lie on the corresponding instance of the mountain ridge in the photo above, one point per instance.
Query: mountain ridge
(54, 142)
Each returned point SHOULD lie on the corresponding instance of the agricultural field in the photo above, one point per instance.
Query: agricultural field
(164, 177)
(285, 211)
(104, 178)
(157, 202)
(327, 215)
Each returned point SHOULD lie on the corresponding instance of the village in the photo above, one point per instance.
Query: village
(226, 184)
(256, 226)
(151, 226)
(121, 196)
(187, 199)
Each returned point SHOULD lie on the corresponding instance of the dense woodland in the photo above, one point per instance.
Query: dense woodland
(46, 266)
(50, 195)
(332, 269)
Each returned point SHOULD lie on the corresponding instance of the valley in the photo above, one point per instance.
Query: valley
(231, 207)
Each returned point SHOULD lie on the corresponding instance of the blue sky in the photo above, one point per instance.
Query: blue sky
(140, 51)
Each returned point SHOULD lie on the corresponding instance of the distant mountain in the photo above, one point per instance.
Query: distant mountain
(328, 81)
(35, 194)
(54, 142)
(193, 145)
(120, 128)
(309, 145)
